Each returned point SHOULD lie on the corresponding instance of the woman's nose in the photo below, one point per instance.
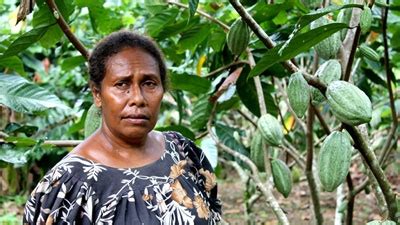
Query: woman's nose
(136, 96)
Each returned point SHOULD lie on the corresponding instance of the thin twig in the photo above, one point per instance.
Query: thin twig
(309, 174)
(388, 71)
(321, 119)
(65, 28)
(202, 13)
(247, 117)
(226, 67)
(350, 205)
(54, 125)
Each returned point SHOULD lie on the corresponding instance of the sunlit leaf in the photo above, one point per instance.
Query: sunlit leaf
(14, 63)
(26, 97)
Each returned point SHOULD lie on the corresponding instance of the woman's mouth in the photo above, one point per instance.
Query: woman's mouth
(136, 119)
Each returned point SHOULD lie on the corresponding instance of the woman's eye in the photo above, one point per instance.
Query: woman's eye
(150, 84)
(121, 84)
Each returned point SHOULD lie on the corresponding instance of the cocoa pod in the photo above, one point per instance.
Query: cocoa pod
(298, 93)
(238, 37)
(348, 103)
(257, 150)
(369, 53)
(270, 129)
(327, 72)
(365, 19)
(92, 121)
(344, 16)
(329, 47)
(282, 177)
(334, 160)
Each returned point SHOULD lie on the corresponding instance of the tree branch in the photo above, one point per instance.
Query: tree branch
(376, 170)
(226, 67)
(309, 174)
(65, 28)
(204, 14)
(350, 61)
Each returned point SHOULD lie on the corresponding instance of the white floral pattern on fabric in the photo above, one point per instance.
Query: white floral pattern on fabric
(179, 188)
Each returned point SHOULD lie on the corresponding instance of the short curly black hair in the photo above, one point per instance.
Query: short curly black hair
(116, 42)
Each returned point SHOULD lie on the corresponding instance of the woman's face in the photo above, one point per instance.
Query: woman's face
(130, 94)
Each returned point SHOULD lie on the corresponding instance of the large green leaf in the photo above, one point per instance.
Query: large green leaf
(209, 148)
(181, 129)
(191, 83)
(10, 154)
(201, 112)
(156, 23)
(193, 7)
(298, 44)
(193, 37)
(25, 40)
(22, 96)
(13, 63)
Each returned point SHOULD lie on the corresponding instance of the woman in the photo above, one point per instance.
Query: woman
(127, 173)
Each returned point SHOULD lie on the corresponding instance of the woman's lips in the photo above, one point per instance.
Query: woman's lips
(137, 119)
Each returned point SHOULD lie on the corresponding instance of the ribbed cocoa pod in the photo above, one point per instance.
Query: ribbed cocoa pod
(282, 177)
(298, 93)
(369, 53)
(334, 160)
(238, 37)
(348, 103)
(365, 19)
(257, 150)
(329, 71)
(270, 129)
(329, 47)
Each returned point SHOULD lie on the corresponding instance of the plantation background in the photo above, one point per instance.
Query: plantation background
(215, 98)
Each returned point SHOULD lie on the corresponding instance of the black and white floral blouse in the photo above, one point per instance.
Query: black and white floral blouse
(179, 188)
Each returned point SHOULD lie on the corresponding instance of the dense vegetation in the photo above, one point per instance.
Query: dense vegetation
(230, 63)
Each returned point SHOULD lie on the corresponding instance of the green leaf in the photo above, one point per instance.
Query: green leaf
(14, 63)
(191, 83)
(26, 97)
(209, 148)
(248, 95)
(21, 141)
(226, 136)
(52, 36)
(70, 63)
(193, 7)
(25, 40)
(16, 128)
(181, 129)
(156, 23)
(298, 44)
(201, 112)
(10, 154)
(193, 37)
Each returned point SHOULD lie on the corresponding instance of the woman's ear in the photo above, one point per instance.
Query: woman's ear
(96, 94)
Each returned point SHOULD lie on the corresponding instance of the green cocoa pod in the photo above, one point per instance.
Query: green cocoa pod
(282, 177)
(384, 222)
(329, 71)
(329, 47)
(92, 121)
(334, 160)
(348, 103)
(365, 19)
(270, 129)
(298, 93)
(344, 16)
(369, 53)
(312, 4)
(257, 150)
(238, 37)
